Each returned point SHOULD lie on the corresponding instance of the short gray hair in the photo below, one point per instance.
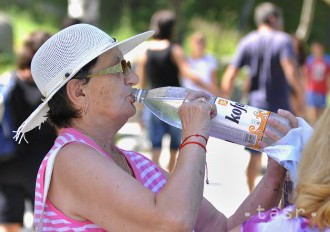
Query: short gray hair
(264, 10)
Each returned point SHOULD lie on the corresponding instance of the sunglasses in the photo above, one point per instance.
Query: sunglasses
(122, 67)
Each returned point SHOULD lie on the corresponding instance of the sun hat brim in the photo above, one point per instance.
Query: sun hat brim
(39, 115)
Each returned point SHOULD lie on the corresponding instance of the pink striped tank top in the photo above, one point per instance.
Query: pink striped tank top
(146, 172)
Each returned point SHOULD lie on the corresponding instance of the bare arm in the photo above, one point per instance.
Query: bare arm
(265, 196)
(291, 75)
(227, 81)
(214, 83)
(95, 188)
(236, 229)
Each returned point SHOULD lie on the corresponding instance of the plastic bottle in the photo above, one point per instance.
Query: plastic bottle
(235, 122)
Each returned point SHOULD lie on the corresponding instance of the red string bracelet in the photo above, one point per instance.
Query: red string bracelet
(197, 135)
(199, 144)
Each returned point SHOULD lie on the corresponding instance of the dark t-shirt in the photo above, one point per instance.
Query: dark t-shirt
(160, 68)
(24, 99)
(262, 52)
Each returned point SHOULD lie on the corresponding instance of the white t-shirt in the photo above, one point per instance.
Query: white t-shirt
(203, 68)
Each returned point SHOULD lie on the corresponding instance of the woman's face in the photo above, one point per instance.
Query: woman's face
(109, 95)
(198, 46)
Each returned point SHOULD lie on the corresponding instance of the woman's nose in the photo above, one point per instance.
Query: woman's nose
(132, 78)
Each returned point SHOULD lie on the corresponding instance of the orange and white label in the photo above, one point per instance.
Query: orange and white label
(239, 123)
(222, 102)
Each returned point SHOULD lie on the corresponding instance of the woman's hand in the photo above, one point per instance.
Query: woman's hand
(275, 172)
(281, 127)
(195, 114)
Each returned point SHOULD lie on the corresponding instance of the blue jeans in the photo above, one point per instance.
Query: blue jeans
(315, 99)
(157, 129)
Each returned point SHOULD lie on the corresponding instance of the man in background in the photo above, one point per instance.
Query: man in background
(268, 53)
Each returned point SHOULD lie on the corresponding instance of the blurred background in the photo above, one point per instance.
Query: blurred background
(224, 22)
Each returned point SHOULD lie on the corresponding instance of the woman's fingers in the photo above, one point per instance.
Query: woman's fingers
(288, 115)
(272, 134)
(261, 144)
(213, 110)
(195, 116)
(201, 97)
(193, 95)
(281, 127)
(284, 123)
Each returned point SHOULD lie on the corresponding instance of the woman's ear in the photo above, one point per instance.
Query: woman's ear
(76, 93)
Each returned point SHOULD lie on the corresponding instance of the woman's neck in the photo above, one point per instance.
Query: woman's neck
(104, 137)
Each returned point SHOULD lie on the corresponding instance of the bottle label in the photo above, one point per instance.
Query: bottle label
(239, 123)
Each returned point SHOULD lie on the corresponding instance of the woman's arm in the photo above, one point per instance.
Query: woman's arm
(236, 229)
(214, 83)
(228, 81)
(266, 195)
(87, 186)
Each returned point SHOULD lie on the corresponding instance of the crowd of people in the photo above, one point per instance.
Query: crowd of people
(76, 86)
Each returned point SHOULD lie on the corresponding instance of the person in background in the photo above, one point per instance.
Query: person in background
(161, 65)
(18, 176)
(269, 54)
(97, 186)
(205, 66)
(317, 73)
(311, 203)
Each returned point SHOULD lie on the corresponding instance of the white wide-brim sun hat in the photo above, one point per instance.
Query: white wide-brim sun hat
(62, 56)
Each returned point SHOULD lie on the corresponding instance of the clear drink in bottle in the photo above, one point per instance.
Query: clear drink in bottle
(235, 122)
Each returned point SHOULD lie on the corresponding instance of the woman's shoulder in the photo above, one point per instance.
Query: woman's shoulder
(133, 154)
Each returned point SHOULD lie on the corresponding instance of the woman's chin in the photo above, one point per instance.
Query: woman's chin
(132, 112)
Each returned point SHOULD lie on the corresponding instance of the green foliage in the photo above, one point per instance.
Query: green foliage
(219, 20)
(23, 24)
(125, 29)
(7, 62)
(221, 40)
